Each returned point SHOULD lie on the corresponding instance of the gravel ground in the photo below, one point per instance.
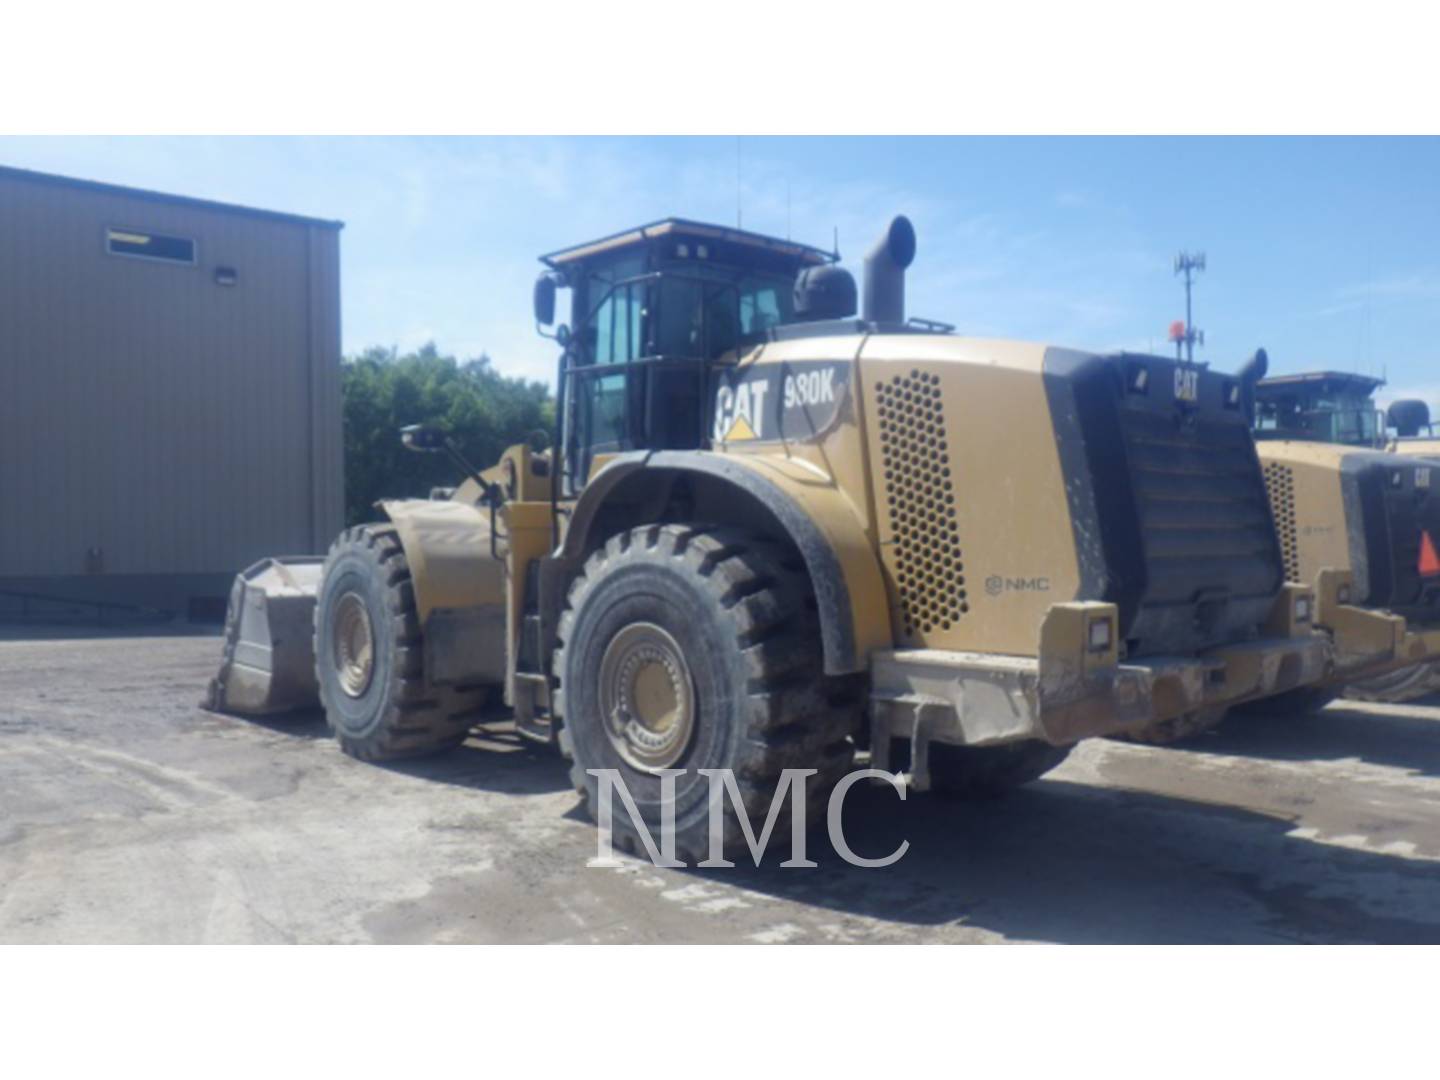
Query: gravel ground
(128, 814)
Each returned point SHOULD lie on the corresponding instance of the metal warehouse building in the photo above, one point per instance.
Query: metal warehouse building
(169, 394)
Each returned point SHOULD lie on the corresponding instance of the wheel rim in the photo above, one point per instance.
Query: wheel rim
(647, 697)
(353, 644)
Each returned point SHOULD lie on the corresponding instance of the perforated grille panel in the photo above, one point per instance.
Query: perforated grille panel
(920, 500)
(1280, 483)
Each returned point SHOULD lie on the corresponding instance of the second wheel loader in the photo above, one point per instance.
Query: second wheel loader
(774, 532)
(1356, 520)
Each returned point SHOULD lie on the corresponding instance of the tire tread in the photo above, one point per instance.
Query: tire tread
(796, 717)
(418, 718)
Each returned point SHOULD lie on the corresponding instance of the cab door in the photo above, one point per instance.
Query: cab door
(638, 378)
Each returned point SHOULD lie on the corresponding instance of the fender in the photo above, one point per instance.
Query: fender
(447, 544)
(815, 513)
(459, 588)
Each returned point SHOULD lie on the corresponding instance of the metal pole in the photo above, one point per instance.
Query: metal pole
(1188, 264)
(1189, 319)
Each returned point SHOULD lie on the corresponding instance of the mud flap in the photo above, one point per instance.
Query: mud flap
(268, 663)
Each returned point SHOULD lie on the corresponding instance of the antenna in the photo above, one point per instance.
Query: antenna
(837, 242)
(739, 219)
(1188, 264)
(787, 208)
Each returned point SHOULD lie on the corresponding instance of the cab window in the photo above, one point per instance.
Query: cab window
(763, 306)
(618, 325)
(697, 318)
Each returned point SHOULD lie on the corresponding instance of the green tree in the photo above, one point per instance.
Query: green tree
(482, 410)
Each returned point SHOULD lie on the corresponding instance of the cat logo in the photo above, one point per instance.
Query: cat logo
(1187, 384)
(740, 430)
(740, 411)
(791, 401)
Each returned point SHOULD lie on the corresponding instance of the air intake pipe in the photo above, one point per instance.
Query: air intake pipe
(1408, 416)
(884, 294)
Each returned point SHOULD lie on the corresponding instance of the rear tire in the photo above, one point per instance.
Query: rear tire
(690, 648)
(369, 658)
(988, 772)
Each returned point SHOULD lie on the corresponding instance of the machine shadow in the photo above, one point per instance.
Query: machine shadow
(1066, 862)
(1337, 732)
(493, 758)
(1058, 860)
(490, 760)
(308, 724)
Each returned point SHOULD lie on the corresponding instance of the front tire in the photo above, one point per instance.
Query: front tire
(699, 648)
(369, 659)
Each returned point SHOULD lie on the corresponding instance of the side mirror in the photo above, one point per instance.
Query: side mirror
(545, 300)
(423, 438)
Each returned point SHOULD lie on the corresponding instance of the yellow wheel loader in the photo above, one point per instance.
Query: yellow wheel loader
(1359, 523)
(1415, 436)
(771, 533)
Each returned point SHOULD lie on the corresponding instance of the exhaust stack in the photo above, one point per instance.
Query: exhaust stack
(884, 296)
(1251, 373)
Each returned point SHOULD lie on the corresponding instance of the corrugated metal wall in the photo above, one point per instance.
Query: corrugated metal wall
(171, 424)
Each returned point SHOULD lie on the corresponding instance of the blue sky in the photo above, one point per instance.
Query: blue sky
(1325, 251)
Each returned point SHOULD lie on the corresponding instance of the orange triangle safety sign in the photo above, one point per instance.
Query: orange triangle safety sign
(1429, 559)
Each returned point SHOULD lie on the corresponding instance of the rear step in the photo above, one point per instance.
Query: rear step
(268, 664)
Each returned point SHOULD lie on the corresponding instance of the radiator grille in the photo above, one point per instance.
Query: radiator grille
(1395, 510)
(920, 500)
(1205, 525)
(1170, 486)
(1280, 483)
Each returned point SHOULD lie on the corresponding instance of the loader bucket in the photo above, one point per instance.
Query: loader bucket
(268, 664)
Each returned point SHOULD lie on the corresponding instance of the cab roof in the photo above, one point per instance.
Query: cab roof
(1320, 381)
(680, 228)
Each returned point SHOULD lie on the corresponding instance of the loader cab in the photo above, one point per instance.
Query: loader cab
(1320, 406)
(653, 312)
